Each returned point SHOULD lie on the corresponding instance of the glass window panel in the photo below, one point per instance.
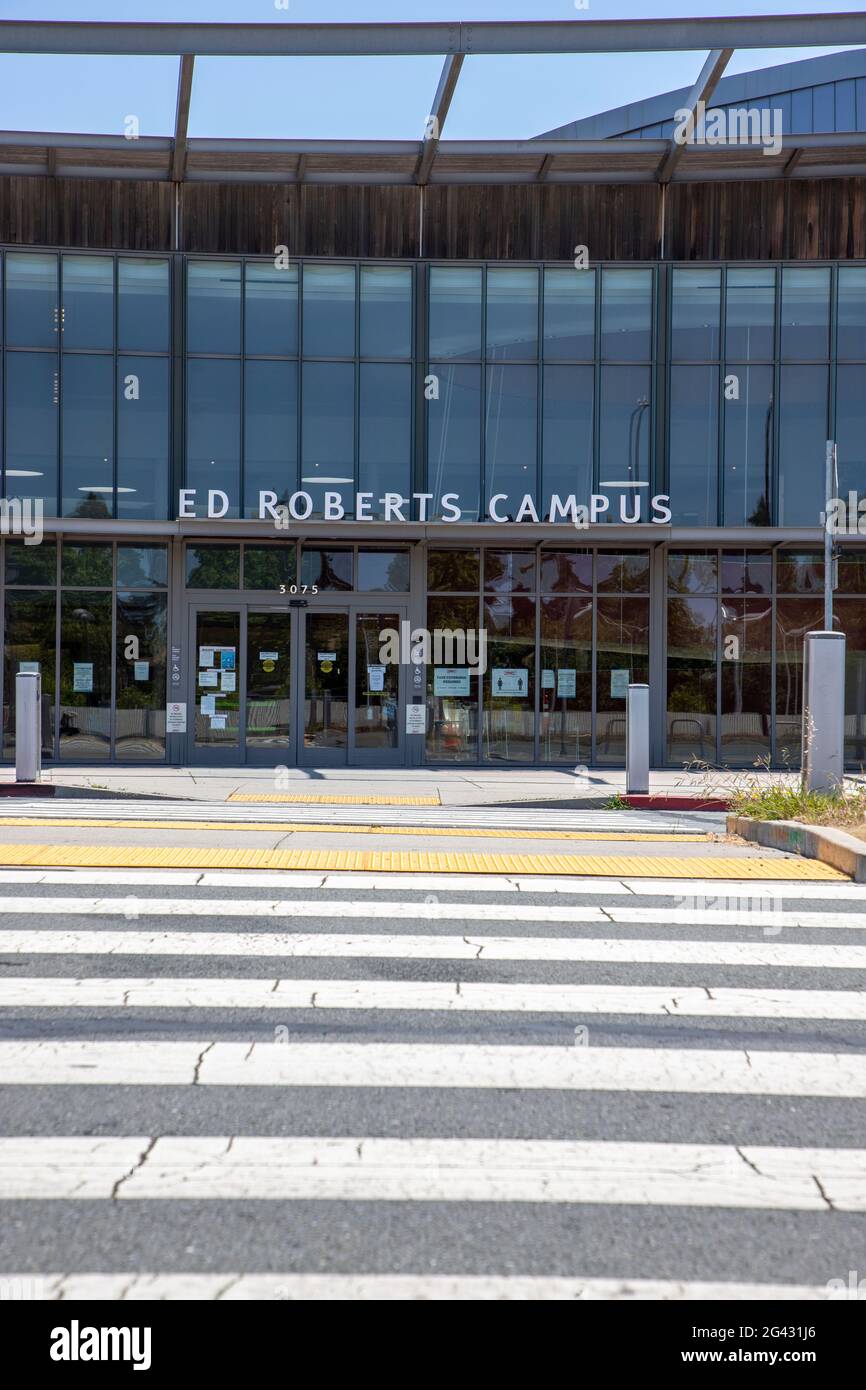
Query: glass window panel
(565, 694)
(850, 617)
(454, 437)
(32, 300)
(271, 309)
(693, 571)
(511, 429)
(508, 733)
(143, 312)
(455, 312)
(509, 571)
(747, 571)
(143, 445)
(140, 681)
(213, 443)
(805, 313)
(32, 414)
(799, 572)
(626, 315)
(851, 430)
(383, 570)
(213, 323)
(512, 314)
(328, 424)
(627, 573)
(269, 688)
(270, 432)
(88, 301)
(695, 315)
(326, 569)
(269, 566)
(386, 311)
(213, 567)
(218, 633)
(29, 635)
(31, 564)
(452, 726)
(142, 566)
(622, 642)
(852, 572)
(802, 445)
(385, 433)
(851, 327)
(794, 618)
(569, 314)
(748, 447)
(453, 571)
(86, 564)
(87, 433)
(625, 427)
(746, 711)
(750, 314)
(329, 311)
(85, 676)
(566, 438)
(692, 646)
(566, 571)
(694, 445)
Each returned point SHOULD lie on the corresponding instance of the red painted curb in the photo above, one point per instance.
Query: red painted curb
(26, 789)
(676, 803)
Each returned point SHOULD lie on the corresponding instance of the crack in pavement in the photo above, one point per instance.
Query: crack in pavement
(820, 1186)
(754, 1167)
(197, 1069)
(142, 1159)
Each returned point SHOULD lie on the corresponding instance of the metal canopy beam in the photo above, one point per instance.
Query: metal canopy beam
(702, 91)
(358, 40)
(438, 113)
(181, 119)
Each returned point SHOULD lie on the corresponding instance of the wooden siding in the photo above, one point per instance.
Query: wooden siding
(124, 214)
(755, 220)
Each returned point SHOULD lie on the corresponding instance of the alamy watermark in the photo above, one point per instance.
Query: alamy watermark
(737, 125)
(22, 518)
(442, 646)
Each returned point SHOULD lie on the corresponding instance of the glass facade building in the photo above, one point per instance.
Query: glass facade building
(244, 470)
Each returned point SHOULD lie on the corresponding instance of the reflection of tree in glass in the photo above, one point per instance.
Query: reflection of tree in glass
(267, 567)
(213, 566)
(87, 565)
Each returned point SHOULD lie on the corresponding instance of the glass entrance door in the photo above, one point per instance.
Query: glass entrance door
(216, 722)
(268, 668)
(376, 721)
(351, 710)
(325, 705)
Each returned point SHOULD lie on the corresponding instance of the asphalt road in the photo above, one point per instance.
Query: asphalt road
(687, 1104)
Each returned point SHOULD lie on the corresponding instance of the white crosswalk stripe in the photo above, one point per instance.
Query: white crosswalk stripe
(173, 1081)
(460, 817)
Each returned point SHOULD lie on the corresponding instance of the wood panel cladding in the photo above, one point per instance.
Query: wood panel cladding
(776, 219)
(310, 219)
(541, 221)
(124, 214)
(784, 219)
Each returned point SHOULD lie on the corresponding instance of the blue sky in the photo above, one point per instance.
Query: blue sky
(367, 98)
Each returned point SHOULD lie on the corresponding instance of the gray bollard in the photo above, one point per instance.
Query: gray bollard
(823, 712)
(637, 740)
(28, 726)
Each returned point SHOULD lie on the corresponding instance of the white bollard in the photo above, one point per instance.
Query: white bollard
(823, 711)
(637, 740)
(28, 726)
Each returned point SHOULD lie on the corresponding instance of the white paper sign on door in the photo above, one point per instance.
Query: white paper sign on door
(376, 677)
(507, 681)
(175, 718)
(208, 704)
(451, 680)
(566, 683)
(416, 719)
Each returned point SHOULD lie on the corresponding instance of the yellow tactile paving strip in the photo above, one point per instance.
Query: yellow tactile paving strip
(323, 799)
(303, 827)
(393, 861)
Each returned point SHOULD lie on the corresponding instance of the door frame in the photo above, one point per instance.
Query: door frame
(350, 757)
(215, 757)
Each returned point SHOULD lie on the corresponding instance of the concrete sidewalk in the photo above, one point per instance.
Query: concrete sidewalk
(425, 786)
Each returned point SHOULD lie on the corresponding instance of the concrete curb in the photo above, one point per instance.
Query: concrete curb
(845, 852)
